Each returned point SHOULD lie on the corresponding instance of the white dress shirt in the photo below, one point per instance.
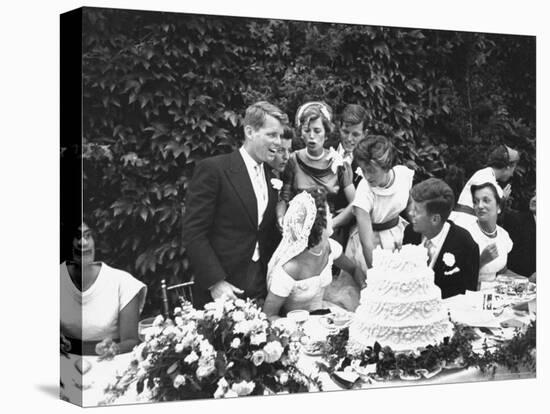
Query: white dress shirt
(257, 177)
(436, 243)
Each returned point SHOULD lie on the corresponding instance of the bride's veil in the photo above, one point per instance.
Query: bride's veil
(297, 223)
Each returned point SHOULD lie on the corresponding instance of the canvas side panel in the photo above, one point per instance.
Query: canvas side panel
(70, 174)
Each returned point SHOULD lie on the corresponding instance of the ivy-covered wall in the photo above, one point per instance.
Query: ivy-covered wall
(164, 90)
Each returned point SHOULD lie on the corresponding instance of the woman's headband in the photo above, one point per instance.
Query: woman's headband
(323, 108)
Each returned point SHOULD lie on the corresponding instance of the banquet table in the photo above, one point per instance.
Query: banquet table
(98, 374)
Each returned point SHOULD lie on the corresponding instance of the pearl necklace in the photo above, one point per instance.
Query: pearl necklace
(314, 158)
(490, 234)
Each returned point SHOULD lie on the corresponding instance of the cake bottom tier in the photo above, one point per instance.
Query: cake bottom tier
(398, 338)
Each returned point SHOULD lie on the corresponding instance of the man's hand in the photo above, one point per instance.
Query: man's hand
(225, 289)
(488, 254)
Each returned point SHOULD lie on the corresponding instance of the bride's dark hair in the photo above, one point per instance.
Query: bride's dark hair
(320, 224)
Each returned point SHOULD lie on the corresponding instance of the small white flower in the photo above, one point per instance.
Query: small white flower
(192, 357)
(243, 387)
(239, 303)
(238, 316)
(276, 183)
(235, 343)
(449, 259)
(258, 338)
(179, 347)
(158, 320)
(205, 370)
(179, 381)
(337, 160)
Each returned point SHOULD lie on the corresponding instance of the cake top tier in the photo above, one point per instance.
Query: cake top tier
(408, 259)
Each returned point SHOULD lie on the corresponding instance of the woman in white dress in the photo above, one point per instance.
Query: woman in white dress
(301, 267)
(98, 302)
(493, 241)
(502, 163)
(380, 198)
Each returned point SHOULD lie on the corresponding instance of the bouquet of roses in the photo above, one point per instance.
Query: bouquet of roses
(230, 349)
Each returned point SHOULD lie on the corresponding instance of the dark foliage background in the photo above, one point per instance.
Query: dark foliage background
(163, 90)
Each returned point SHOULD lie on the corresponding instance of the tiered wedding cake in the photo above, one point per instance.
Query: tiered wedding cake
(401, 306)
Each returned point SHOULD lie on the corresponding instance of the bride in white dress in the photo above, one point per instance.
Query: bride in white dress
(301, 267)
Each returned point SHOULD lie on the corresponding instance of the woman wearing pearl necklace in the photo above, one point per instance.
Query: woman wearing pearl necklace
(314, 166)
(493, 241)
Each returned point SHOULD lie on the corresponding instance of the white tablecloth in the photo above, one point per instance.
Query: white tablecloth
(98, 374)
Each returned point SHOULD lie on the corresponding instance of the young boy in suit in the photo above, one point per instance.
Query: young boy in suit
(453, 254)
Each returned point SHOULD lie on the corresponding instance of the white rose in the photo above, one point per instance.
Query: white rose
(179, 381)
(276, 183)
(235, 343)
(449, 259)
(239, 303)
(243, 387)
(273, 351)
(258, 358)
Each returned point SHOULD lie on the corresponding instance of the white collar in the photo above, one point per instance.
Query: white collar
(248, 160)
(438, 240)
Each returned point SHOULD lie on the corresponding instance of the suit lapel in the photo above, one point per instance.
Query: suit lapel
(240, 180)
(446, 246)
(271, 193)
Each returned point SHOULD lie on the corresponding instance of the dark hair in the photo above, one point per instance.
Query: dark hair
(70, 229)
(477, 187)
(312, 112)
(353, 114)
(499, 157)
(375, 149)
(319, 194)
(288, 133)
(256, 113)
(437, 194)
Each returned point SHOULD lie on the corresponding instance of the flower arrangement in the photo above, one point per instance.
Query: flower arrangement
(381, 363)
(230, 349)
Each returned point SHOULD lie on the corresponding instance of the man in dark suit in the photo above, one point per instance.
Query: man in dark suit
(230, 224)
(453, 254)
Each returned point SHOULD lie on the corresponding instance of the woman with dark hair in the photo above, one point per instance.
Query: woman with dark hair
(380, 198)
(501, 164)
(493, 241)
(301, 267)
(98, 302)
(314, 166)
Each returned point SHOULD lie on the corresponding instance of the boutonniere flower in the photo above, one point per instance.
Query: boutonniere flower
(337, 159)
(449, 259)
(276, 184)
